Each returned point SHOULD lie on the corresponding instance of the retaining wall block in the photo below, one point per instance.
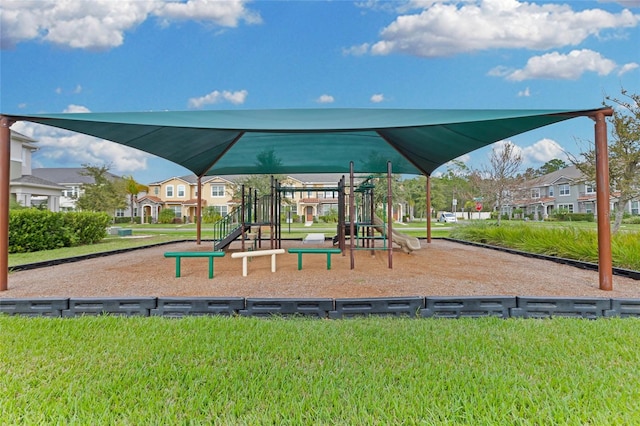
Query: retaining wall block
(624, 308)
(46, 306)
(128, 306)
(307, 307)
(468, 306)
(392, 306)
(176, 307)
(546, 307)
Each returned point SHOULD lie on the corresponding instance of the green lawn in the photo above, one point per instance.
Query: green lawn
(218, 370)
(158, 233)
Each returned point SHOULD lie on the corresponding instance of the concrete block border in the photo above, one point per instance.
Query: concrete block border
(411, 307)
(265, 307)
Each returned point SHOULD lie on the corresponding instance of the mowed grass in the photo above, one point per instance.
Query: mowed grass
(147, 235)
(106, 245)
(369, 371)
(567, 241)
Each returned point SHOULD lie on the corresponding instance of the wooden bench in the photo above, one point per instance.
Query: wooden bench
(327, 251)
(180, 254)
(244, 255)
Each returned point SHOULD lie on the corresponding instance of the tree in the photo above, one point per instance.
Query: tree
(106, 194)
(415, 193)
(133, 188)
(624, 154)
(500, 178)
(552, 166)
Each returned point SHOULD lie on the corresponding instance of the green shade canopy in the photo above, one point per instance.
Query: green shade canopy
(285, 141)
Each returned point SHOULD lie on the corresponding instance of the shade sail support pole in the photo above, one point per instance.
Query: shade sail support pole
(352, 217)
(605, 263)
(389, 215)
(199, 211)
(5, 177)
(428, 208)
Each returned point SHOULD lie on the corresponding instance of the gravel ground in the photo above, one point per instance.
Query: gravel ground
(442, 268)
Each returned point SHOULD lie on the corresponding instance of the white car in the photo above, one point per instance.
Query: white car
(447, 218)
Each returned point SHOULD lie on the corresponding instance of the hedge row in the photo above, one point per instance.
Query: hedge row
(34, 230)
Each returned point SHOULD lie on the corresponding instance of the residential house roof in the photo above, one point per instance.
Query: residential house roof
(35, 181)
(571, 173)
(66, 175)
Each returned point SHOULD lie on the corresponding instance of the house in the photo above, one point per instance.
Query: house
(26, 188)
(310, 195)
(180, 194)
(567, 189)
(71, 180)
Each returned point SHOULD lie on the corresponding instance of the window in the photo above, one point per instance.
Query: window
(177, 210)
(70, 192)
(156, 191)
(535, 193)
(326, 209)
(551, 191)
(564, 189)
(566, 207)
(221, 210)
(635, 207)
(169, 190)
(217, 190)
(119, 212)
(181, 191)
(588, 207)
(589, 188)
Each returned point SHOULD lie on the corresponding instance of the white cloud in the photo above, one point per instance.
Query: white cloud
(224, 13)
(543, 151)
(62, 148)
(464, 158)
(558, 66)
(524, 93)
(627, 67)
(76, 109)
(442, 28)
(102, 24)
(358, 50)
(540, 152)
(217, 97)
(377, 98)
(325, 99)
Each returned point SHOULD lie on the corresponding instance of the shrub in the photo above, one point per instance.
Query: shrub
(136, 219)
(564, 216)
(210, 215)
(34, 230)
(166, 216)
(567, 242)
(632, 220)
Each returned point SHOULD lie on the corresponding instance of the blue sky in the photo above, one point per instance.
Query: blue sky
(154, 55)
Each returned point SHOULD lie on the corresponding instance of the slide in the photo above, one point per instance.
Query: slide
(406, 242)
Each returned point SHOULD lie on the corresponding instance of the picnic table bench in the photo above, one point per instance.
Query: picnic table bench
(244, 255)
(316, 250)
(180, 254)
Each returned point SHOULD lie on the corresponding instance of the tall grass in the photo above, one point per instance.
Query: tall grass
(568, 242)
(109, 370)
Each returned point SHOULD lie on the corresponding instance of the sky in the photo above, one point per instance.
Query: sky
(178, 55)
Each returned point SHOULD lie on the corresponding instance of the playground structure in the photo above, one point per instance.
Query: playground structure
(357, 219)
